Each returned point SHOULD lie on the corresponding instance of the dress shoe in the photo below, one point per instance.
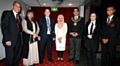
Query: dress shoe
(41, 61)
(69, 60)
(77, 61)
(51, 60)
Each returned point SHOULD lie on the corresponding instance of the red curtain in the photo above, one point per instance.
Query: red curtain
(66, 11)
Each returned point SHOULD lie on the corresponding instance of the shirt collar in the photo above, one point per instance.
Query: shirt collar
(14, 13)
(111, 17)
(75, 16)
(47, 17)
(93, 22)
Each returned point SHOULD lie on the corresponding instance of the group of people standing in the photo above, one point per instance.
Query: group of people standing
(27, 31)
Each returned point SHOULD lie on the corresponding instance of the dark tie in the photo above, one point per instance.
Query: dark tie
(91, 28)
(18, 23)
(108, 22)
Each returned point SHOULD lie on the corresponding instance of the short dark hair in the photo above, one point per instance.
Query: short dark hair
(110, 5)
(76, 8)
(16, 2)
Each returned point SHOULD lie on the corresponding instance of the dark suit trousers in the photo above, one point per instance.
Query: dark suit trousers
(75, 44)
(108, 51)
(13, 53)
(46, 40)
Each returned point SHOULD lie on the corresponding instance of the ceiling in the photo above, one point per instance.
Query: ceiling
(50, 3)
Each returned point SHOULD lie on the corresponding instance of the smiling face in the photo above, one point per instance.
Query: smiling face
(76, 12)
(110, 11)
(60, 18)
(30, 15)
(93, 17)
(16, 7)
(47, 12)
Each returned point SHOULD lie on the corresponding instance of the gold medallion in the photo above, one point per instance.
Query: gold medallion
(75, 21)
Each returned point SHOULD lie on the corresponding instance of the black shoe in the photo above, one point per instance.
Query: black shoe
(51, 60)
(41, 61)
(77, 61)
(69, 60)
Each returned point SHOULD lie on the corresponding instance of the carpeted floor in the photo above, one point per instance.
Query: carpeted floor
(66, 57)
(46, 62)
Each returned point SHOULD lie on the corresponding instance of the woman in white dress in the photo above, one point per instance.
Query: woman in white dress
(30, 37)
(60, 32)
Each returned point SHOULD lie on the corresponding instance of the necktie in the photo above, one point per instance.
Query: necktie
(108, 22)
(48, 26)
(91, 28)
(18, 23)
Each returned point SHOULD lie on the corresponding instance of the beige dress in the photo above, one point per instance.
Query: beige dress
(33, 56)
(60, 32)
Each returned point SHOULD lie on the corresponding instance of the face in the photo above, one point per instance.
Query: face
(93, 17)
(76, 12)
(110, 11)
(47, 12)
(60, 18)
(30, 15)
(16, 7)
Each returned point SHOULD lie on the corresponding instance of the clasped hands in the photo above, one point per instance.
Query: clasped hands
(74, 34)
(89, 36)
(104, 40)
(35, 35)
(59, 39)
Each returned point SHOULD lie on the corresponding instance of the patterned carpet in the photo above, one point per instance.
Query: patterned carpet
(46, 62)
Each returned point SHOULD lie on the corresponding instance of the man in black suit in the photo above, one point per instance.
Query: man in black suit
(75, 30)
(110, 37)
(46, 34)
(11, 30)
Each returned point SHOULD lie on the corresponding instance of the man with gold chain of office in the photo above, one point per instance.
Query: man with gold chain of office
(75, 31)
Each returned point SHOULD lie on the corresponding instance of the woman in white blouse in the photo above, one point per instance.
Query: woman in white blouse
(30, 37)
(60, 32)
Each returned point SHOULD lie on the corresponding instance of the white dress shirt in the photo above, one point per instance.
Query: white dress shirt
(89, 27)
(75, 17)
(14, 13)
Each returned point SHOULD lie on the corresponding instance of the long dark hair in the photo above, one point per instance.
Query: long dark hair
(26, 17)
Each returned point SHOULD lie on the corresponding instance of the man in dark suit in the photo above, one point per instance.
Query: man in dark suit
(75, 30)
(46, 34)
(11, 30)
(110, 37)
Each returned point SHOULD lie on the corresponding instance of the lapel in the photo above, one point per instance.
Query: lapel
(87, 24)
(112, 20)
(44, 20)
(13, 16)
(96, 26)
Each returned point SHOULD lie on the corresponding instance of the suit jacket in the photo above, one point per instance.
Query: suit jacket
(94, 42)
(9, 27)
(112, 30)
(78, 28)
(43, 27)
